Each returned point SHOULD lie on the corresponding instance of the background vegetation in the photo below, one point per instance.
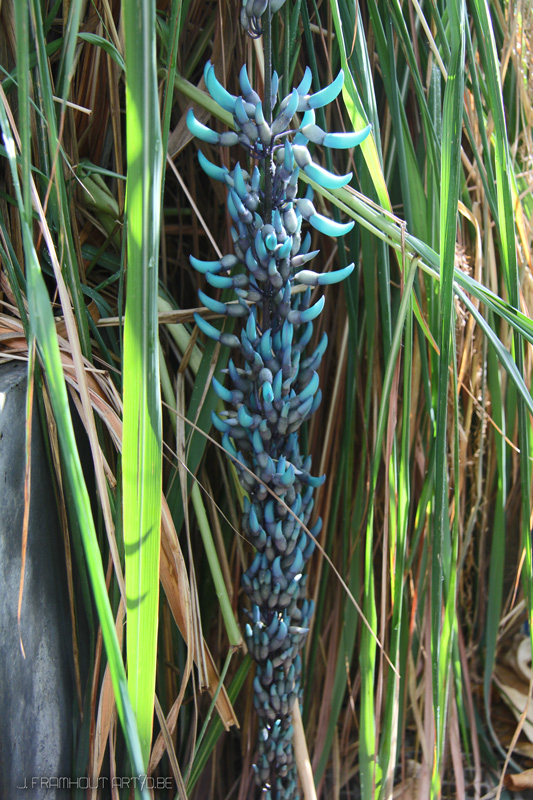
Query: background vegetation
(423, 581)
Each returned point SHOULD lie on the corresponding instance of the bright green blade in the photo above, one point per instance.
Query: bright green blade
(142, 448)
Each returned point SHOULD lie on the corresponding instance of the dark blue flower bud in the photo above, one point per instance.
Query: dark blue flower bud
(288, 109)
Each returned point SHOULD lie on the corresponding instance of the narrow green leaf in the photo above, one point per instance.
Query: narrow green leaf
(449, 198)
(142, 448)
(107, 46)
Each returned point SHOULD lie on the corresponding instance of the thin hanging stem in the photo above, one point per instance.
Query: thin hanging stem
(266, 22)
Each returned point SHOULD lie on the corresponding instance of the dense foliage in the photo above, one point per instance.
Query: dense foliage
(422, 577)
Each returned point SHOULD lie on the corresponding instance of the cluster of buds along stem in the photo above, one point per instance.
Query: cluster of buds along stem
(273, 385)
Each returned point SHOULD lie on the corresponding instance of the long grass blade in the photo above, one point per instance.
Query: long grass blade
(142, 447)
(449, 199)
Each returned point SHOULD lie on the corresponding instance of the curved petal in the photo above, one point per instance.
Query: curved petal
(217, 91)
(327, 94)
(342, 141)
(199, 130)
(329, 226)
(325, 178)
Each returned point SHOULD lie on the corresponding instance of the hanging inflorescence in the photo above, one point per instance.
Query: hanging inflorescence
(274, 386)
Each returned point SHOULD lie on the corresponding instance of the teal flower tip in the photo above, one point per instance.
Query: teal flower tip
(310, 278)
(217, 91)
(327, 94)
(227, 339)
(213, 305)
(205, 266)
(201, 131)
(329, 226)
(217, 173)
(326, 179)
(346, 140)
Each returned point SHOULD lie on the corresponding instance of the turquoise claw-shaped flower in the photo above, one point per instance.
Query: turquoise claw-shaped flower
(223, 282)
(225, 394)
(288, 108)
(226, 262)
(311, 388)
(201, 131)
(308, 314)
(248, 93)
(244, 418)
(257, 442)
(305, 84)
(265, 134)
(346, 140)
(228, 339)
(234, 310)
(210, 169)
(274, 83)
(303, 258)
(325, 178)
(260, 248)
(217, 91)
(288, 157)
(240, 185)
(328, 226)
(243, 113)
(251, 328)
(309, 278)
(285, 248)
(213, 305)
(337, 141)
(265, 345)
(323, 96)
(205, 266)
(228, 446)
(321, 223)
(220, 424)
(268, 393)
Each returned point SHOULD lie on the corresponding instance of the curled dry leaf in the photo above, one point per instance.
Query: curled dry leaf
(513, 676)
(516, 783)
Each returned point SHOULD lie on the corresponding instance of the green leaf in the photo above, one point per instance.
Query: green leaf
(106, 45)
(142, 446)
(442, 564)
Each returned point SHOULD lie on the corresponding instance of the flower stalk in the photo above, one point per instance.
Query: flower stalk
(274, 384)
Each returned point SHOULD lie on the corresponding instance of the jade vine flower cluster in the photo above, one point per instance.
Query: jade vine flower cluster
(273, 385)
